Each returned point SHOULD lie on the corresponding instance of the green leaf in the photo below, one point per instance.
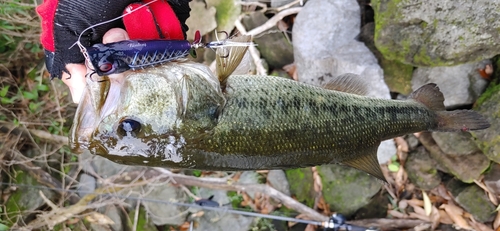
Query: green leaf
(393, 167)
(6, 100)
(33, 106)
(30, 95)
(42, 87)
(4, 227)
(4, 91)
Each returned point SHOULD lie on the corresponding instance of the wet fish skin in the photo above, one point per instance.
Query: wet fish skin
(259, 122)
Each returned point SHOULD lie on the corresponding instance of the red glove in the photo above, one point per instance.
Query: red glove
(64, 20)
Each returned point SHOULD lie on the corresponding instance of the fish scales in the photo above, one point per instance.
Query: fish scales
(178, 116)
(288, 121)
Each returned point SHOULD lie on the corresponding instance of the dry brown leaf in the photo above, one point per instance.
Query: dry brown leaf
(444, 217)
(419, 210)
(322, 205)
(402, 144)
(422, 217)
(99, 218)
(443, 192)
(496, 222)
(401, 177)
(310, 227)
(291, 69)
(480, 226)
(318, 186)
(403, 204)
(435, 217)
(397, 214)
(416, 202)
(493, 198)
(72, 221)
(427, 203)
(185, 226)
(456, 214)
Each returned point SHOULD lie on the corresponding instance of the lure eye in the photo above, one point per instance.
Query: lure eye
(105, 67)
(192, 52)
(129, 126)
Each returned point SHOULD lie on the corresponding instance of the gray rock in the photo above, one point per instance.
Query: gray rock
(473, 199)
(437, 33)
(274, 47)
(324, 51)
(164, 213)
(301, 185)
(421, 169)
(86, 184)
(492, 179)
(488, 140)
(346, 189)
(278, 3)
(467, 168)
(219, 220)
(277, 179)
(461, 84)
(117, 216)
(397, 75)
(455, 143)
(102, 166)
(28, 198)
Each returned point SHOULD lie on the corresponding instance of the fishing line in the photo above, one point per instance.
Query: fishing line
(108, 21)
(190, 205)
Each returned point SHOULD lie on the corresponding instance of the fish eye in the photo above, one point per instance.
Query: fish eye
(129, 126)
(105, 67)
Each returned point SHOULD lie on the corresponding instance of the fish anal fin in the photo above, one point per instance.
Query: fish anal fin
(348, 83)
(430, 96)
(367, 162)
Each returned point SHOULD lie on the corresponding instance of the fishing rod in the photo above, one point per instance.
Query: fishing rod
(336, 222)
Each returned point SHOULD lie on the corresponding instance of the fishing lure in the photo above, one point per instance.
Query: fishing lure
(117, 57)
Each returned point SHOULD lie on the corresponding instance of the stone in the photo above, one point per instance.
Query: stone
(421, 169)
(455, 143)
(488, 140)
(86, 184)
(461, 85)
(437, 33)
(165, 213)
(301, 185)
(143, 223)
(492, 179)
(467, 168)
(26, 198)
(274, 47)
(277, 179)
(397, 75)
(473, 199)
(323, 51)
(347, 189)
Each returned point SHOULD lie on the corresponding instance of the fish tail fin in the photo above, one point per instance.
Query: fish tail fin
(448, 121)
(461, 120)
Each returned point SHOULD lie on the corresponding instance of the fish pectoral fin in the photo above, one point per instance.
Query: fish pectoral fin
(367, 163)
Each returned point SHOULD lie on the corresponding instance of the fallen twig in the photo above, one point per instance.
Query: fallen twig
(51, 138)
(220, 184)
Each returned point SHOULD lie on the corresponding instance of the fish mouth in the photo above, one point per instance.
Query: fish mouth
(99, 99)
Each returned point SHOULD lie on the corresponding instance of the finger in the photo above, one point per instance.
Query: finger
(115, 35)
(76, 82)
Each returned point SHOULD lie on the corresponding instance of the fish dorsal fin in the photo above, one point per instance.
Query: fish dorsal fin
(229, 57)
(430, 96)
(349, 83)
(367, 163)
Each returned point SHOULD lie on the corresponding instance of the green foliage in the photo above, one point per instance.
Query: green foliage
(235, 199)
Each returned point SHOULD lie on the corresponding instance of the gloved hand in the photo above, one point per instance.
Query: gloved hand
(64, 20)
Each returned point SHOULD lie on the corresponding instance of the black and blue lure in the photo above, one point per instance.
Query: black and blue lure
(118, 57)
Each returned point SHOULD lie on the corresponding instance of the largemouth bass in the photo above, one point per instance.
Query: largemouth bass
(177, 116)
